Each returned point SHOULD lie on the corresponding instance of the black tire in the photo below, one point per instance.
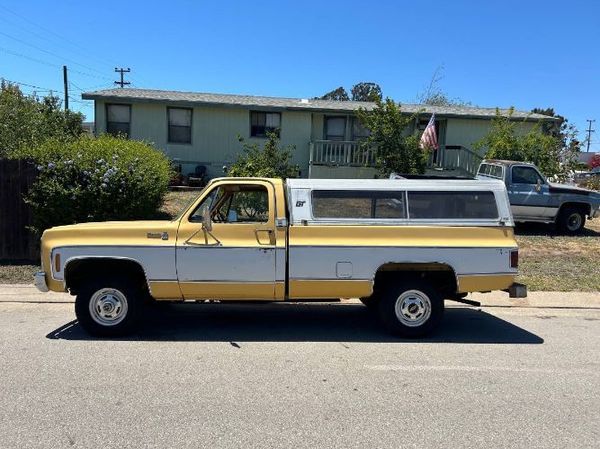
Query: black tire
(123, 296)
(370, 301)
(571, 220)
(423, 307)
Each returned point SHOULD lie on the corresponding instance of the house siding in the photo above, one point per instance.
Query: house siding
(215, 132)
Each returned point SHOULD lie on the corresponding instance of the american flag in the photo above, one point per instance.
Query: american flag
(428, 138)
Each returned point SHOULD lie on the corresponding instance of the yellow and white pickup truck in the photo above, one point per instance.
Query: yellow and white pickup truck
(402, 246)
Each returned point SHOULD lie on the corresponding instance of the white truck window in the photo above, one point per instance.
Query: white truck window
(452, 205)
(358, 204)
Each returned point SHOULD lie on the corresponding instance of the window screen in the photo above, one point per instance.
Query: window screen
(180, 125)
(118, 119)
(335, 128)
(358, 204)
(262, 123)
(452, 205)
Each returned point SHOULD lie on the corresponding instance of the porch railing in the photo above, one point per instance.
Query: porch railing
(460, 158)
(341, 152)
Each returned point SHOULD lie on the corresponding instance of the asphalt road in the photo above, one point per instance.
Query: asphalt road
(300, 376)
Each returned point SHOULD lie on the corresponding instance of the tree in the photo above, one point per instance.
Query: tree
(396, 149)
(27, 120)
(366, 91)
(566, 134)
(433, 95)
(271, 161)
(537, 146)
(338, 94)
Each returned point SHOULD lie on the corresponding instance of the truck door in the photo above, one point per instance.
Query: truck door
(529, 194)
(232, 256)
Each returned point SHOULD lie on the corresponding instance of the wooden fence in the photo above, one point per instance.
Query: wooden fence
(16, 241)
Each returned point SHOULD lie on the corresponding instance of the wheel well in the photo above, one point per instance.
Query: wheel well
(584, 207)
(439, 275)
(79, 271)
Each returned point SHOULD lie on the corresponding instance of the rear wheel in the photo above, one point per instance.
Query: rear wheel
(411, 309)
(108, 307)
(571, 220)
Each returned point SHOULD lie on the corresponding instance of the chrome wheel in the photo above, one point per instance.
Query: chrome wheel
(108, 307)
(574, 222)
(413, 308)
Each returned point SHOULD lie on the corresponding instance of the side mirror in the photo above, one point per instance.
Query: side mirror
(206, 222)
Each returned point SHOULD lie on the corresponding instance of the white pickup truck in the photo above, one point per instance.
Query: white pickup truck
(402, 246)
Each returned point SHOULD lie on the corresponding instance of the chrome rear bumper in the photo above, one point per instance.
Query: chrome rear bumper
(39, 280)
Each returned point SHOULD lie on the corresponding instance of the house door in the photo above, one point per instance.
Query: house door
(236, 259)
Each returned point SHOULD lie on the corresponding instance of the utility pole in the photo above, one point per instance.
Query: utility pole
(66, 82)
(589, 131)
(122, 83)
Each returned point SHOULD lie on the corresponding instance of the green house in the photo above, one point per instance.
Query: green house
(202, 128)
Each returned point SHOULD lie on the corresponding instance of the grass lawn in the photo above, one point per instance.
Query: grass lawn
(547, 261)
(559, 263)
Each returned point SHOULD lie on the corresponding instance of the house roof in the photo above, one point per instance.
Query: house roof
(281, 103)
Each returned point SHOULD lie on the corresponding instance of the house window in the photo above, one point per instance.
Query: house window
(335, 128)
(359, 132)
(118, 119)
(180, 125)
(262, 123)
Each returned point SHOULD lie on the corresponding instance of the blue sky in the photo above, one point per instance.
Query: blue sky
(520, 53)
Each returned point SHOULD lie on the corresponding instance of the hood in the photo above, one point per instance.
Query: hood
(565, 188)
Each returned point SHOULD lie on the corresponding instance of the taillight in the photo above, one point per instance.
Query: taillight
(514, 259)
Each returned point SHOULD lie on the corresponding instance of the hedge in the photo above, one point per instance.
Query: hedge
(96, 179)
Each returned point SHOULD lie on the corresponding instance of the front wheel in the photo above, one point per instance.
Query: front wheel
(411, 309)
(108, 308)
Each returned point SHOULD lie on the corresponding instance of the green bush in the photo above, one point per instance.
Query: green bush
(96, 179)
(270, 161)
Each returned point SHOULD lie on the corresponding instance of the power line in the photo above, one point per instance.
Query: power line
(50, 64)
(49, 52)
(43, 89)
(88, 53)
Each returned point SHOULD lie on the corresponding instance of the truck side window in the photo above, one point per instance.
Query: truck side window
(358, 204)
(235, 204)
(244, 204)
(525, 175)
(452, 205)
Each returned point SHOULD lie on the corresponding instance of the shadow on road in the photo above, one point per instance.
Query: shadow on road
(541, 229)
(300, 323)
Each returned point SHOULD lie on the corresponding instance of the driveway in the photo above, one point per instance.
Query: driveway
(307, 375)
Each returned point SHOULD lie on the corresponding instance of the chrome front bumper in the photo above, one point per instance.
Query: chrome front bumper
(39, 280)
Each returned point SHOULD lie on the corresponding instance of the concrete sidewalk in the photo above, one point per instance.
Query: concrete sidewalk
(588, 300)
